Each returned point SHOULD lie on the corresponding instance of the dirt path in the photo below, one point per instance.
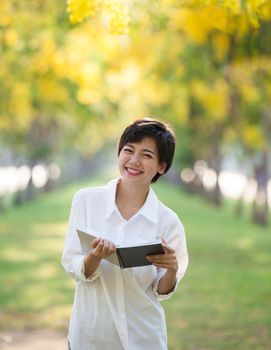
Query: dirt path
(32, 340)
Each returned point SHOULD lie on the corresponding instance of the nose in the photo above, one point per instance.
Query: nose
(135, 159)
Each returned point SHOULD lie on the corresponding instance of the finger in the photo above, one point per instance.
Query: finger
(105, 247)
(165, 262)
(112, 247)
(157, 256)
(161, 256)
(94, 243)
(165, 266)
(99, 247)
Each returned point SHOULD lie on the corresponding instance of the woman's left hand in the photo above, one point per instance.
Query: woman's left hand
(167, 261)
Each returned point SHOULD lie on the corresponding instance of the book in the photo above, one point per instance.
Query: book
(124, 257)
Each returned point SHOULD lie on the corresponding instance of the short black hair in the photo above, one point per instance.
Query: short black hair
(160, 132)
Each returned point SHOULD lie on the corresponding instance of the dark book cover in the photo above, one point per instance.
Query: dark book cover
(136, 255)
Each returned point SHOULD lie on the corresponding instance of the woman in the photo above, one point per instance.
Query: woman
(120, 308)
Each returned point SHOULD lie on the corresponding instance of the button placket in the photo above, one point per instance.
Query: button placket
(120, 235)
(123, 331)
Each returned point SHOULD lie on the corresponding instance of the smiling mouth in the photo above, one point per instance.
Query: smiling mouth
(133, 172)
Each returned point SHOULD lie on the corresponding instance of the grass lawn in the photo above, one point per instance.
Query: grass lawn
(224, 301)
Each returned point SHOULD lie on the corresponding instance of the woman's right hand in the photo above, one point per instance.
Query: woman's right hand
(102, 248)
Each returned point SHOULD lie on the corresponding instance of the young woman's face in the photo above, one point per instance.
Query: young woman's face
(139, 162)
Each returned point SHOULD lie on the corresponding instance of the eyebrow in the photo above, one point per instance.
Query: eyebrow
(144, 150)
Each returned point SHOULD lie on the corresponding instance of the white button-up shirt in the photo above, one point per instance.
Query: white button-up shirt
(119, 308)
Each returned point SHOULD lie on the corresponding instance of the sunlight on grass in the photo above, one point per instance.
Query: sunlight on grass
(244, 243)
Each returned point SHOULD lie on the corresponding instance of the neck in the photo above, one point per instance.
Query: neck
(135, 195)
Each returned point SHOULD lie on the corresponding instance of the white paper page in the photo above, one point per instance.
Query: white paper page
(85, 241)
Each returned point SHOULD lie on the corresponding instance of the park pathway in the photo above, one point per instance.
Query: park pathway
(32, 340)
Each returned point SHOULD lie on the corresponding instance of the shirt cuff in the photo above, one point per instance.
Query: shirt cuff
(162, 297)
(79, 270)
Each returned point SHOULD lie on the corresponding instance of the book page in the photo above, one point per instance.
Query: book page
(85, 241)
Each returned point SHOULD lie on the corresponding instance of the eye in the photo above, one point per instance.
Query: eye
(127, 150)
(147, 155)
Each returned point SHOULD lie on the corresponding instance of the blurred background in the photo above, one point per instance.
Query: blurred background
(72, 76)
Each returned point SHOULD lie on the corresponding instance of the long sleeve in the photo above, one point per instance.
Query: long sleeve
(175, 236)
(72, 258)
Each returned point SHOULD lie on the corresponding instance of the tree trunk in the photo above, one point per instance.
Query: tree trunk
(30, 189)
(2, 207)
(19, 198)
(260, 204)
(215, 196)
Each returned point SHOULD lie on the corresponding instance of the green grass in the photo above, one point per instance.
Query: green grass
(223, 301)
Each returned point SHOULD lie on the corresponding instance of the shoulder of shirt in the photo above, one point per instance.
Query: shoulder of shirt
(169, 213)
(88, 192)
(168, 217)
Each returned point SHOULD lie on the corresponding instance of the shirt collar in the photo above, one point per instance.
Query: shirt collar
(149, 209)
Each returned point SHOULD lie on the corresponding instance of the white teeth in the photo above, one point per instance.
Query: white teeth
(133, 171)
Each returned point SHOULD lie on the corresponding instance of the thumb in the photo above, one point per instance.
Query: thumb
(94, 243)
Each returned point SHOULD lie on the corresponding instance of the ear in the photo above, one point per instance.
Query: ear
(162, 168)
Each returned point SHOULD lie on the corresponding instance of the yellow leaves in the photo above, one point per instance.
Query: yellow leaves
(221, 43)
(233, 6)
(113, 11)
(268, 89)
(88, 77)
(83, 72)
(249, 92)
(88, 96)
(91, 137)
(4, 123)
(20, 104)
(193, 23)
(219, 18)
(87, 74)
(96, 63)
(10, 36)
(213, 97)
(156, 92)
(258, 10)
(199, 22)
(244, 73)
(81, 9)
(180, 105)
(265, 10)
(253, 136)
(198, 18)
(119, 16)
(51, 91)
(43, 60)
(242, 25)
(5, 13)
(120, 83)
